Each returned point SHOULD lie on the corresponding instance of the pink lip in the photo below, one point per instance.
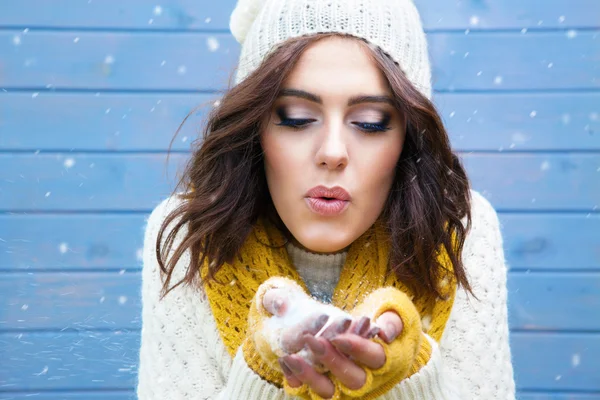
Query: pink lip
(327, 201)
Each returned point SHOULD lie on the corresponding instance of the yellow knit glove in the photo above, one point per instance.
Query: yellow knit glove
(404, 356)
(261, 347)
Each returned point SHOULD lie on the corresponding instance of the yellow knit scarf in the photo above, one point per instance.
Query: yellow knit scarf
(263, 255)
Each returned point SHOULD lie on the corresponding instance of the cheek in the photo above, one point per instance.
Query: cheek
(281, 163)
(379, 166)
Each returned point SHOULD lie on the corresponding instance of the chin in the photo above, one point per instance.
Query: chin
(323, 241)
(324, 247)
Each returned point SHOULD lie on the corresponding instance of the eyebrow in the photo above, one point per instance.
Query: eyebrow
(353, 100)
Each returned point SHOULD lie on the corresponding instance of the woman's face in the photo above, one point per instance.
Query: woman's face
(331, 145)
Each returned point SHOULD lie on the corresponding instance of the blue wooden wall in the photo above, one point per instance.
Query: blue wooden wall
(91, 92)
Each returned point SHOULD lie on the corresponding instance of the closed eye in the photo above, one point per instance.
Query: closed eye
(372, 127)
(368, 127)
(295, 123)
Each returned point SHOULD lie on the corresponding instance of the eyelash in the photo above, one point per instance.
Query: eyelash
(368, 127)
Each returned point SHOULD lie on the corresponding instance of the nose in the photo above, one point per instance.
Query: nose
(332, 152)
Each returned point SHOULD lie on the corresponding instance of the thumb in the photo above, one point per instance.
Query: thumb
(391, 326)
(276, 301)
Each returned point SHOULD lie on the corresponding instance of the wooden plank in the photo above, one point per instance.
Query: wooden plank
(510, 61)
(80, 181)
(59, 242)
(508, 14)
(77, 301)
(530, 181)
(73, 360)
(148, 121)
(111, 60)
(95, 360)
(189, 14)
(114, 241)
(113, 14)
(111, 121)
(111, 301)
(551, 241)
(98, 181)
(554, 301)
(523, 121)
(556, 361)
(68, 395)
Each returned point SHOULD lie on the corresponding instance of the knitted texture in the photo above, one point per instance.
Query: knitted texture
(366, 269)
(404, 356)
(320, 281)
(182, 354)
(393, 25)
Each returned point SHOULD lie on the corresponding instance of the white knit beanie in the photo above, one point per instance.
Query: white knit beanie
(393, 25)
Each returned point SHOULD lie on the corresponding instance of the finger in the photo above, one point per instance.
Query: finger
(338, 326)
(361, 326)
(391, 326)
(319, 383)
(292, 337)
(373, 331)
(276, 301)
(289, 375)
(346, 370)
(364, 351)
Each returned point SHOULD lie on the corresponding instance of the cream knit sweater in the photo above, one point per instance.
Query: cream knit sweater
(183, 357)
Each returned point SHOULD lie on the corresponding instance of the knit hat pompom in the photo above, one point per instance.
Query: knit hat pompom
(243, 16)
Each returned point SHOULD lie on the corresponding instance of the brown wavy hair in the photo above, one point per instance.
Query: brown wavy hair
(429, 196)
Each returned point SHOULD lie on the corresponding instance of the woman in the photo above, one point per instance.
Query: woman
(327, 243)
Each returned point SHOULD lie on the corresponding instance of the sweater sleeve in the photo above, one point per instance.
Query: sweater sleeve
(473, 358)
(181, 354)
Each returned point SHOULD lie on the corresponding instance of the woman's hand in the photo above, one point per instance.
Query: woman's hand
(340, 354)
(277, 302)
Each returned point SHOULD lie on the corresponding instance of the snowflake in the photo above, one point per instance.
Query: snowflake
(63, 248)
(212, 43)
(545, 166)
(69, 162)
